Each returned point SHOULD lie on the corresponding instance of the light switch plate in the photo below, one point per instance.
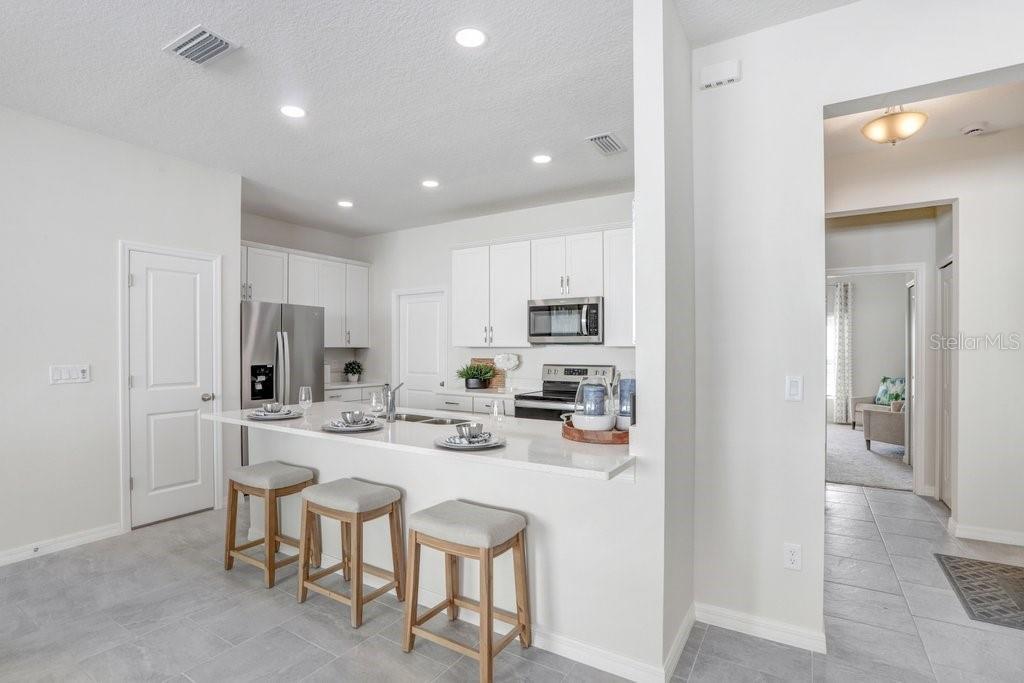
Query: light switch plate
(794, 387)
(76, 373)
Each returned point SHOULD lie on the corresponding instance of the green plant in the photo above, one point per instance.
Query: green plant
(476, 371)
(353, 367)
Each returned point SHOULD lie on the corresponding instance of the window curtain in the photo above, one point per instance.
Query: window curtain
(841, 310)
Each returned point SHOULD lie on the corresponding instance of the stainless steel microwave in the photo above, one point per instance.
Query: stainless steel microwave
(566, 321)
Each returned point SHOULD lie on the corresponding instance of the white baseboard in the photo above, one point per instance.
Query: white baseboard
(60, 543)
(927, 491)
(981, 533)
(682, 635)
(770, 629)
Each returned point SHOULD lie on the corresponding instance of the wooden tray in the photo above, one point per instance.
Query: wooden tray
(611, 437)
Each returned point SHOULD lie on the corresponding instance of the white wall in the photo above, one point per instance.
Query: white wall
(985, 175)
(760, 243)
(421, 257)
(68, 196)
(279, 233)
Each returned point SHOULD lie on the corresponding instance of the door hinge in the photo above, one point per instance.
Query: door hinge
(131, 483)
(131, 280)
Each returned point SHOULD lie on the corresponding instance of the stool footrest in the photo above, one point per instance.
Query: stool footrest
(446, 642)
(380, 591)
(499, 614)
(256, 562)
(334, 595)
(505, 640)
(326, 572)
(420, 619)
(250, 544)
(287, 540)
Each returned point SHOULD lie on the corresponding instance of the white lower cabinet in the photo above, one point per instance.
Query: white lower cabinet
(485, 405)
(461, 403)
(353, 394)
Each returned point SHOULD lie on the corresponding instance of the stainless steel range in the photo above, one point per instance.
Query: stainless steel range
(558, 392)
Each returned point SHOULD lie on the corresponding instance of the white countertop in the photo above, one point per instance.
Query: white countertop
(483, 393)
(331, 386)
(530, 444)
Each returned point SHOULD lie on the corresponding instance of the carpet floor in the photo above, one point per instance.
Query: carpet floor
(849, 462)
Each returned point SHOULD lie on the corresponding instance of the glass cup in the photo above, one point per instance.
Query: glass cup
(376, 403)
(498, 413)
(305, 398)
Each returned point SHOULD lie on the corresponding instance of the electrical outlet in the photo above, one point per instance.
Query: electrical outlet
(791, 556)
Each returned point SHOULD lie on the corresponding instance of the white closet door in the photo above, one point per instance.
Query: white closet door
(331, 295)
(584, 264)
(267, 273)
(618, 288)
(510, 291)
(470, 304)
(302, 280)
(547, 264)
(357, 308)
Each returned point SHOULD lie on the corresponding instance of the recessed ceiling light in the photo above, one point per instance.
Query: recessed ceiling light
(470, 37)
(345, 204)
(542, 159)
(430, 183)
(293, 112)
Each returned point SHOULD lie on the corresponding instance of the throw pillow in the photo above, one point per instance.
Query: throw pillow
(891, 389)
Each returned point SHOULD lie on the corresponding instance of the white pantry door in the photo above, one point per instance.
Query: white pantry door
(171, 304)
(421, 348)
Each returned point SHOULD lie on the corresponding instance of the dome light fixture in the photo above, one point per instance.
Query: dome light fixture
(430, 183)
(894, 125)
(542, 159)
(293, 112)
(470, 37)
(345, 203)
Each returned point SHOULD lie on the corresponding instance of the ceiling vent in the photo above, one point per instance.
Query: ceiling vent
(972, 129)
(200, 46)
(606, 144)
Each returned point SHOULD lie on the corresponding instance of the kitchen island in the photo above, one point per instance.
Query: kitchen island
(579, 499)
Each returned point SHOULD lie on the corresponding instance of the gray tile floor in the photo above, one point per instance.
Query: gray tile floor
(155, 605)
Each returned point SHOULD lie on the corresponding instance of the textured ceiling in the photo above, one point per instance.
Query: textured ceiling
(391, 98)
(1001, 107)
(709, 21)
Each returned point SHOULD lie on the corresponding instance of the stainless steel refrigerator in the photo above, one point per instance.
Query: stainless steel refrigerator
(282, 350)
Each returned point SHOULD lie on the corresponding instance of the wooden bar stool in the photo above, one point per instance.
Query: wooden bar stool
(270, 481)
(352, 502)
(461, 529)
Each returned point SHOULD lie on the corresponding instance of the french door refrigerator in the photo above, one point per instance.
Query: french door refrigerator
(282, 350)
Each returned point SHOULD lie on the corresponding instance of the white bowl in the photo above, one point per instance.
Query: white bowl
(593, 423)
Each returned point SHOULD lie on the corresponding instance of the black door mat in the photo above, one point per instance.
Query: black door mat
(989, 591)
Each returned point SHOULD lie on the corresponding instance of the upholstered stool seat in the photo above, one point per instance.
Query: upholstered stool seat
(351, 495)
(477, 532)
(467, 524)
(352, 503)
(269, 481)
(270, 475)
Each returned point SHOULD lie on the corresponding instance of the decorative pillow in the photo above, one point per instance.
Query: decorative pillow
(891, 389)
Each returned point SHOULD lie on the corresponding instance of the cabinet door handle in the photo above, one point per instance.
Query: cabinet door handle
(561, 284)
(485, 334)
(568, 288)
(250, 291)
(491, 340)
(451, 403)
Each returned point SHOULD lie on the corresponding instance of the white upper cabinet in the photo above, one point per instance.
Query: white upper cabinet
(470, 296)
(267, 275)
(571, 266)
(357, 306)
(509, 293)
(331, 295)
(302, 280)
(547, 275)
(618, 288)
(584, 264)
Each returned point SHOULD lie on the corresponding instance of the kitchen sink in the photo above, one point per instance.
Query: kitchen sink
(409, 417)
(445, 421)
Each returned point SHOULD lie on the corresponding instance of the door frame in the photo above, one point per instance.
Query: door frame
(124, 252)
(396, 295)
(948, 262)
(921, 396)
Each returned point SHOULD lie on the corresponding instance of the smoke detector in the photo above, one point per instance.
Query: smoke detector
(200, 45)
(973, 129)
(606, 144)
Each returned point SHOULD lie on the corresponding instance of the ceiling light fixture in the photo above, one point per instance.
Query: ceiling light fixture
(345, 203)
(293, 112)
(895, 125)
(430, 183)
(470, 37)
(542, 159)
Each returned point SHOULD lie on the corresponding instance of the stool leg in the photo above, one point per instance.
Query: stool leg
(395, 519)
(304, 533)
(451, 583)
(346, 551)
(356, 587)
(412, 591)
(269, 532)
(486, 617)
(316, 543)
(277, 515)
(522, 590)
(232, 522)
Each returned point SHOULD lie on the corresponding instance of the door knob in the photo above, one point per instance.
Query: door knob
(207, 397)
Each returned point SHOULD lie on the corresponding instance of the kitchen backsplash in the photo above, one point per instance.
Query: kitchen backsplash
(337, 358)
(527, 376)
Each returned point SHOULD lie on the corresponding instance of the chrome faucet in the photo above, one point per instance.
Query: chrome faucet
(389, 400)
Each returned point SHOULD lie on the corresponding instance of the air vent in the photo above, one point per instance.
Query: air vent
(200, 46)
(606, 144)
(973, 129)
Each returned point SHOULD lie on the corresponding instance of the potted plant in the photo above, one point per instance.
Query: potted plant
(477, 376)
(353, 369)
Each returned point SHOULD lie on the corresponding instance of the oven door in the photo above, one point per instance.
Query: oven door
(566, 321)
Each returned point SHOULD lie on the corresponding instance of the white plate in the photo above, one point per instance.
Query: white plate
(341, 429)
(268, 417)
(442, 442)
